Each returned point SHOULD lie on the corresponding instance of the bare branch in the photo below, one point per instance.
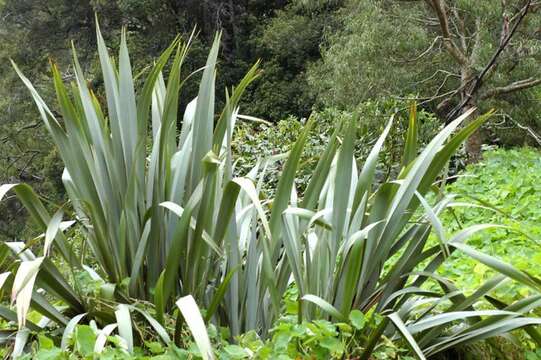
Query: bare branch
(514, 86)
(461, 30)
(439, 7)
(479, 79)
(425, 52)
(439, 71)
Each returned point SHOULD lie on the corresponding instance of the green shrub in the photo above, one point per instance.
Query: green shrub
(154, 209)
(508, 183)
(255, 141)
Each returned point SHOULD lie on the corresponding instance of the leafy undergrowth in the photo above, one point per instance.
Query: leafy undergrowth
(509, 182)
(288, 340)
(255, 142)
(319, 339)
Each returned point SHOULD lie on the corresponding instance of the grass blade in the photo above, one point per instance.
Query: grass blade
(325, 306)
(192, 315)
(124, 322)
(407, 335)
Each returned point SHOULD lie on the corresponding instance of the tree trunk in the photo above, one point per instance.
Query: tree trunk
(475, 141)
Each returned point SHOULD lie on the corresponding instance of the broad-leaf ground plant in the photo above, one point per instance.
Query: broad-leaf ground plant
(505, 186)
(166, 225)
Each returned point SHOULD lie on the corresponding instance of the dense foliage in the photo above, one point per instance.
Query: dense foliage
(162, 216)
(506, 186)
(253, 141)
(309, 211)
(397, 48)
(337, 53)
(31, 32)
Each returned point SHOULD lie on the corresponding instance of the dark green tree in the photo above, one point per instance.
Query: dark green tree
(454, 54)
(288, 43)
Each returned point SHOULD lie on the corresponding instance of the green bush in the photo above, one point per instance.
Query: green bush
(508, 184)
(256, 141)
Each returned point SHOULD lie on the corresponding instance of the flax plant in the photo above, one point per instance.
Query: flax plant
(168, 223)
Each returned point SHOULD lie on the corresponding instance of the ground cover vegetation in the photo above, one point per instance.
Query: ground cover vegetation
(509, 177)
(159, 212)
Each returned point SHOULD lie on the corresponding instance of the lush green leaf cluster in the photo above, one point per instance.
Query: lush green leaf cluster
(507, 187)
(254, 141)
(390, 48)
